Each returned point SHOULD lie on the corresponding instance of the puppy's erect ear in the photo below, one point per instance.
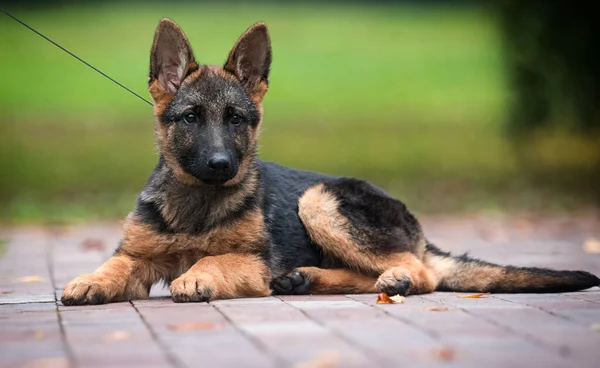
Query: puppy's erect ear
(171, 57)
(250, 58)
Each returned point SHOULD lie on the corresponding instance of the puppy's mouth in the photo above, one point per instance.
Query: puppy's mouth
(216, 179)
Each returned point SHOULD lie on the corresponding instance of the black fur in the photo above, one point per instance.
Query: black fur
(291, 246)
(378, 220)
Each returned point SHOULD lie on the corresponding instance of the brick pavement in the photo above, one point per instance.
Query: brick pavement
(558, 330)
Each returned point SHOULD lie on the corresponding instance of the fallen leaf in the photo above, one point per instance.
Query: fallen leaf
(40, 335)
(523, 224)
(474, 296)
(117, 336)
(195, 326)
(93, 244)
(444, 354)
(6, 292)
(595, 326)
(591, 246)
(326, 359)
(47, 363)
(437, 308)
(383, 298)
(31, 279)
(398, 299)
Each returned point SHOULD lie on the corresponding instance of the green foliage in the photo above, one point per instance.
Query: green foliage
(409, 97)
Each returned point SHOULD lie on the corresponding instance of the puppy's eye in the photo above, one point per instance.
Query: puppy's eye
(190, 118)
(236, 119)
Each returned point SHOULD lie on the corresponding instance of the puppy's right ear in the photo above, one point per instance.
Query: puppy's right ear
(171, 58)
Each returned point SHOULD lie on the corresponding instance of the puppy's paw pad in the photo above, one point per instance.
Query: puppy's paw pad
(294, 283)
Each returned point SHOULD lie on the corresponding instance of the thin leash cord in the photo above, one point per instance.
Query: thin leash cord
(76, 57)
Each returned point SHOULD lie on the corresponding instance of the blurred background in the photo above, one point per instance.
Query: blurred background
(452, 106)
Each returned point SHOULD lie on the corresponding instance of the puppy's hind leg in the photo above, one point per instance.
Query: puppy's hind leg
(369, 232)
(314, 280)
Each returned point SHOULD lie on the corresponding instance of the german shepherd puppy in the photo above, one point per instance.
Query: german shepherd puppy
(215, 222)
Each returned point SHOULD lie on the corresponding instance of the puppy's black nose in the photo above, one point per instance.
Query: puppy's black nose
(219, 162)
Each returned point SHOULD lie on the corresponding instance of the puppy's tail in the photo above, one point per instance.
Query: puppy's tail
(461, 273)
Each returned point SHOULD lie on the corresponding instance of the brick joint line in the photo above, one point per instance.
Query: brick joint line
(63, 335)
(528, 337)
(259, 345)
(431, 333)
(577, 297)
(171, 358)
(364, 350)
(565, 318)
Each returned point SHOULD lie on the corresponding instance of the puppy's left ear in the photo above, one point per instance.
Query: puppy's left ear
(250, 58)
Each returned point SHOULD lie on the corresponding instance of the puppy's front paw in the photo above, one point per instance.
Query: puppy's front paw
(88, 289)
(193, 287)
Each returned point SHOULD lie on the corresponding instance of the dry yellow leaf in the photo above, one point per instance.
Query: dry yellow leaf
(325, 359)
(117, 336)
(93, 244)
(383, 298)
(592, 246)
(40, 335)
(595, 326)
(47, 363)
(195, 326)
(398, 299)
(474, 296)
(437, 308)
(444, 354)
(31, 279)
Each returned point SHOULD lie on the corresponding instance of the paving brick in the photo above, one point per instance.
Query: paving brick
(111, 335)
(289, 334)
(529, 330)
(591, 295)
(29, 332)
(24, 274)
(197, 334)
(555, 334)
(579, 311)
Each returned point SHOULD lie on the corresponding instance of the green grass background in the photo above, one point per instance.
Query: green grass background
(410, 97)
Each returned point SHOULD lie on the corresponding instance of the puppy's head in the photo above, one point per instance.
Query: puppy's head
(207, 117)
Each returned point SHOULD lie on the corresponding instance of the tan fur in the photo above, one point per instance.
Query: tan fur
(243, 235)
(471, 276)
(318, 210)
(147, 256)
(329, 229)
(337, 281)
(258, 93)
(120, 278)
(225, 276)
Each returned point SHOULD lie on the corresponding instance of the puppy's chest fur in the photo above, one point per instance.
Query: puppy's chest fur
(176, 220)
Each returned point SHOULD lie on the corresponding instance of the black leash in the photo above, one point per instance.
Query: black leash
(76, 57)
